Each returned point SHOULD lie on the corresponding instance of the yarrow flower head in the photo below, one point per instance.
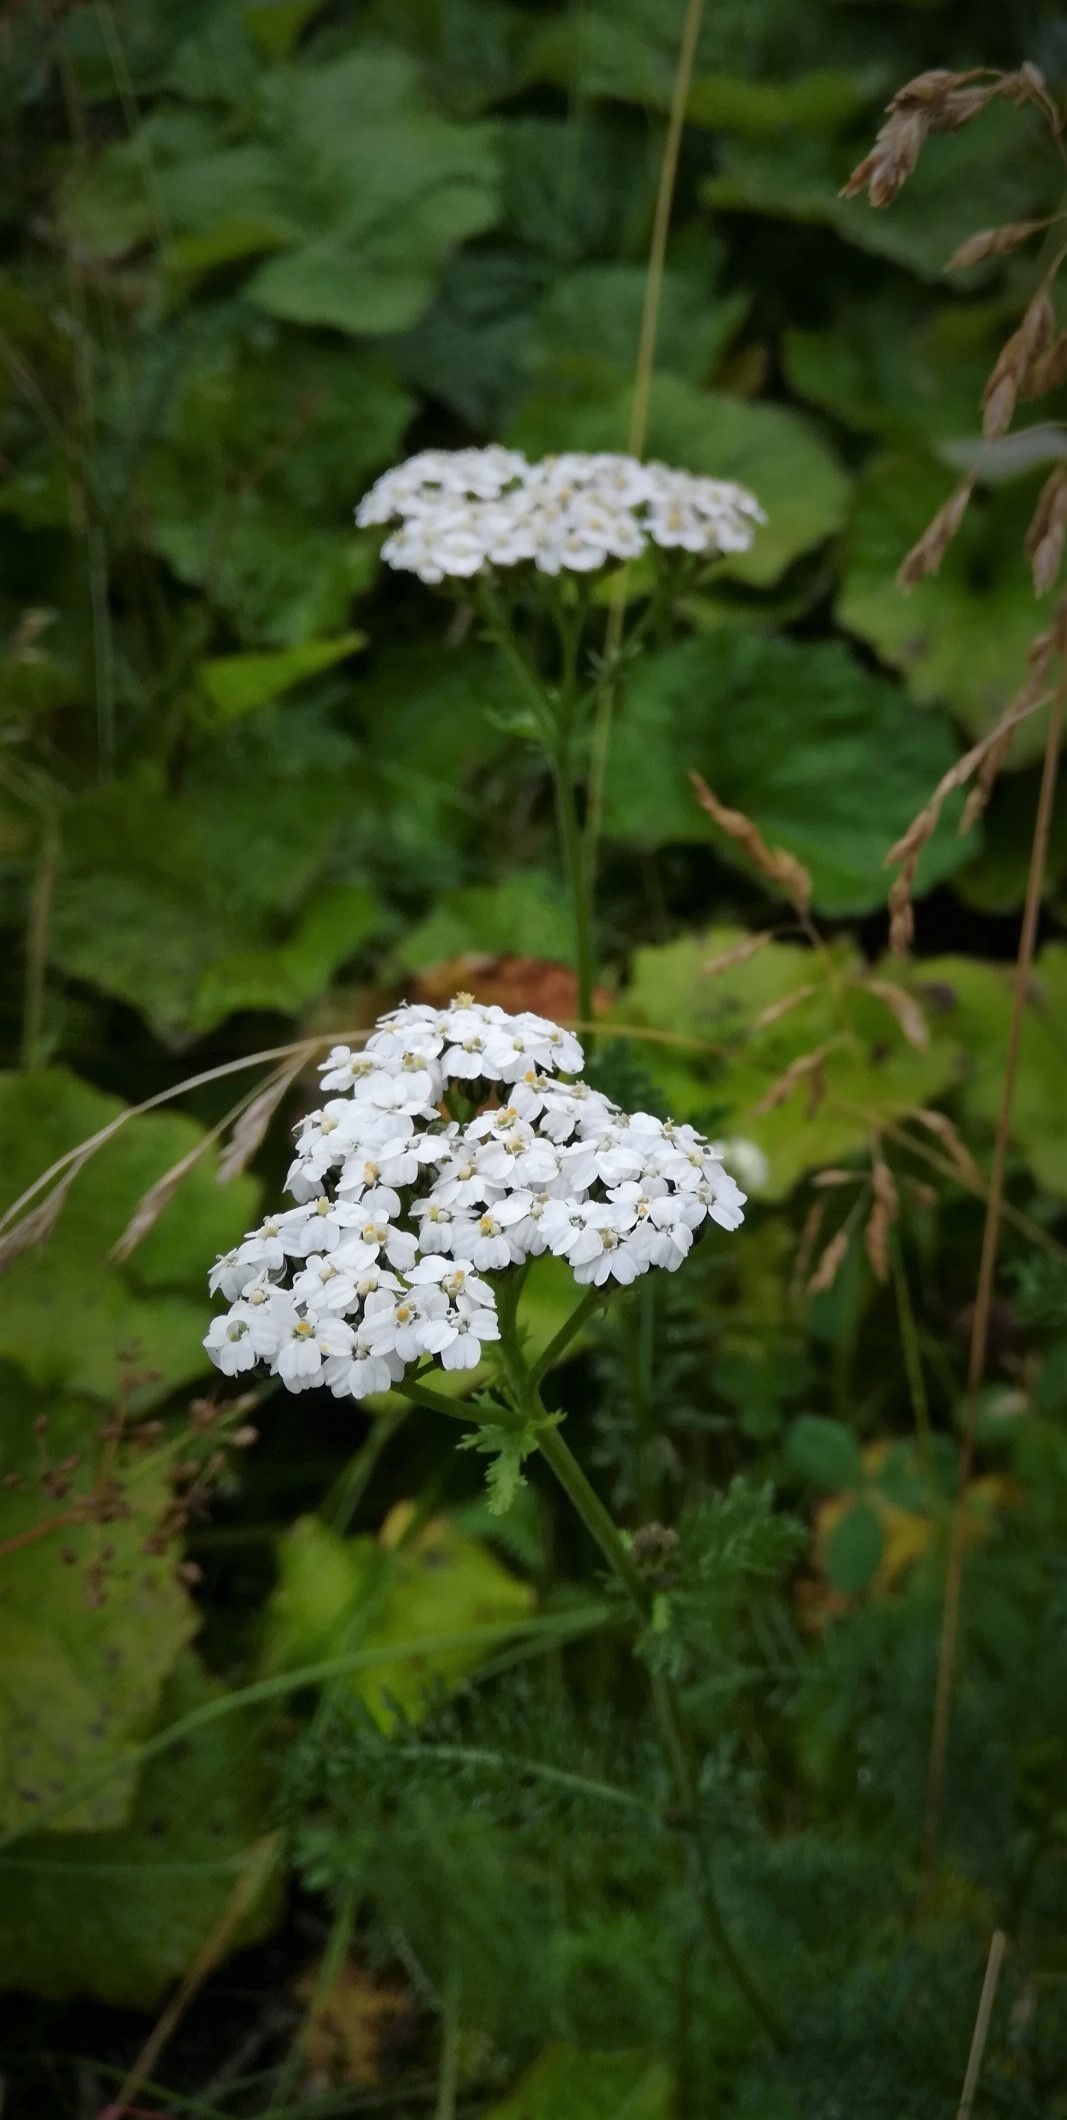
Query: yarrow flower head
(461, 510)
(404, 1213)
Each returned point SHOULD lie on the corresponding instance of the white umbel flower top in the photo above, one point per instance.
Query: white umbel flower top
(461, 510)
(405, 1214)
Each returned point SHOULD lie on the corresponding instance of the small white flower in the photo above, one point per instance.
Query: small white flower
(306, 1345)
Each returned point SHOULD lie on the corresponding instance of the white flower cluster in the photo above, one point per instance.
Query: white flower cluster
(462, 509)
(401, 1209)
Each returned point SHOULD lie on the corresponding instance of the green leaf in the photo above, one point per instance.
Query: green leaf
(507, 1450)
(192, 906)
(893, 366)
(960, 637)
(275, 25)
(237, 684)
(824, 1452)
(996, 170)
(870, 1075)
(70, 1318)
(119, 1915)
(335, 1594)
(830, 762)
(526, 914)
(80, 1679)
(265, 442)
(766, 447)
(577, 2083)
(974, 1002)
(855, 1549)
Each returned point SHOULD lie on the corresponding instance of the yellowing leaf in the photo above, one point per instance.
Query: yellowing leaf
(423, 1594)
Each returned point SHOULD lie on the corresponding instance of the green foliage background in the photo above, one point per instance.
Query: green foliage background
(254, 251)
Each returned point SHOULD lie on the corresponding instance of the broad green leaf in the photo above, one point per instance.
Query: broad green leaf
(996, 170)
(265, 442)
(766, 447)
(894, 366)
(960, 637)
(357, 186)
(73, 1320)
(276, 25)
(237, 684)
(578, 2083)
(192, 906)
(526, 913)
(119, 1915)
(340, 1594)
(824, 1451)
(724, 1062)
(830, 762)
(974, 1003)
(855, 1548)
(79, 1679)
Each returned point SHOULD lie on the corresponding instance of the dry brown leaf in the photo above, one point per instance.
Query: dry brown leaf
(905, 1008)
(804, 1068)
(1047, 370)
(940, 1124)
(775, 1010)
(513, 983)
(781, 868)
(992, 243)
(927, 554)
(740, 953)
(350, 2027)
(829, 1265)
(252, 1125)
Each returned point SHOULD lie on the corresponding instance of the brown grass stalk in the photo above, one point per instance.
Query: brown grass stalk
(646, 356)
(946, 1671)
(995, 1960)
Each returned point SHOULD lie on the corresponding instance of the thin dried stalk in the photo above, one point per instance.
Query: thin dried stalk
(940, 1124)
(995, 1960)
(84, 1149)
(158, 1197)
(809, 1237)
(1044, 538)
(782, 869)
(830, 1264)
(905, 1008)
(927, 554)
(37, 1226)
(740, 953)
(836, 1177)
(905, 854)
(938, 102)
(255, 1874)
(882, 1217)
(802, 1069)
(1033, 337)
(253, 1123)
(995, 243)
(946, 1670)
(784, 1006)
(646, 354)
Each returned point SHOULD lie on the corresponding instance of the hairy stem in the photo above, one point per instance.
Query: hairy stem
(950, 1623)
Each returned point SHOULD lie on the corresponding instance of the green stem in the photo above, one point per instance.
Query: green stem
(575, 864)
(345, 1497)
(912, 1351)
(567, 1332)
(670, 1713)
